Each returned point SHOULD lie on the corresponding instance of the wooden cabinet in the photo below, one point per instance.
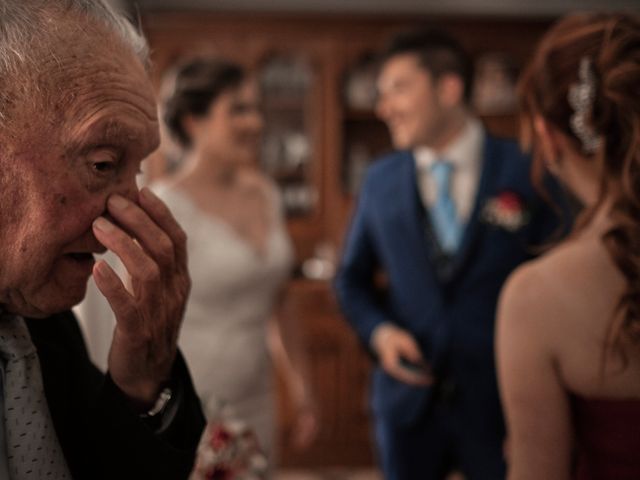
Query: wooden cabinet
(339, 372)
(321, 134)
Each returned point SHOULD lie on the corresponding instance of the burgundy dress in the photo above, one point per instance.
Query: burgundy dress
(608, 439)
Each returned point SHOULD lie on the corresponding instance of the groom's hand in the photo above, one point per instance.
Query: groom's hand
(400, 355)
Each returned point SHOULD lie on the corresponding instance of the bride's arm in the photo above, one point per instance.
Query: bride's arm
(536, 404)
(286, 343)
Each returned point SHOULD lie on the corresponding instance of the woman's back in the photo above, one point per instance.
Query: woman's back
(556, 314)
(583, 286)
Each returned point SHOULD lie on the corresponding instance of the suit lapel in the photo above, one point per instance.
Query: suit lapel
(491, 164)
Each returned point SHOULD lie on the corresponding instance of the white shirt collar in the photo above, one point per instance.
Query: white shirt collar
(465, 151)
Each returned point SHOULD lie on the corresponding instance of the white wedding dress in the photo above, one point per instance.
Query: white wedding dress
(233, 294)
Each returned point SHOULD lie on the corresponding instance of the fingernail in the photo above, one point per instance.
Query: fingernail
(101, 267)
(103, 224)
(118, 202)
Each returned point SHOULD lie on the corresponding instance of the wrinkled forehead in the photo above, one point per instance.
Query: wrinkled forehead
(58, 52)
(90, 61)
(86, 86)
(88, 76)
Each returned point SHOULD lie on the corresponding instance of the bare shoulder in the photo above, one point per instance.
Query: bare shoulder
(567, 283)
(535, 291)
(527, 285)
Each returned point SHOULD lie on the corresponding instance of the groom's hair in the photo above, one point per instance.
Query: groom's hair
(437, 51)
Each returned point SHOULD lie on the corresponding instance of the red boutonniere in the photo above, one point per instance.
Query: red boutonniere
(507, 211)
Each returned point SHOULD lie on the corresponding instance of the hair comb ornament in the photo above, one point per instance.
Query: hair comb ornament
(581, 98)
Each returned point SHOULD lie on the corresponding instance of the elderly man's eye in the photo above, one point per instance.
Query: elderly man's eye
(104, 163)
(104, 167)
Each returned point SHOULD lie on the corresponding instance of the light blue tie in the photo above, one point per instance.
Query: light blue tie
(443, 212)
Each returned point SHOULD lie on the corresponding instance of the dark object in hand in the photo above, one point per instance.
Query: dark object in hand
(419, 368)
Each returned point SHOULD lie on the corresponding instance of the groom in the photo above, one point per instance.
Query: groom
(445, 219)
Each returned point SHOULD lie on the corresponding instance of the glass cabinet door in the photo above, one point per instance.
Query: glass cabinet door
(365, 136)
(286, 83)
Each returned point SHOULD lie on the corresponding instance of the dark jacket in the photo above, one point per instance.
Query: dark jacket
(100, 435)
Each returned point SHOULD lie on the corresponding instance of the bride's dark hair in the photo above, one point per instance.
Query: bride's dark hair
(195, 85)
(610, 45)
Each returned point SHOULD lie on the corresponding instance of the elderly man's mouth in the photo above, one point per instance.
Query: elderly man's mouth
(81, 257)
(80, 261)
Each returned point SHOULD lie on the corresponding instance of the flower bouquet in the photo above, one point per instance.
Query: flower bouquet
(229, 450)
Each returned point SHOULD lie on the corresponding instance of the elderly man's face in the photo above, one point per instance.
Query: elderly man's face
(87, 144)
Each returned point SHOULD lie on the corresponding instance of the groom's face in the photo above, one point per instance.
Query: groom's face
(408, 102)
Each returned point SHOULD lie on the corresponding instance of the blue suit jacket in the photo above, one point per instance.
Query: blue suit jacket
(450, 313)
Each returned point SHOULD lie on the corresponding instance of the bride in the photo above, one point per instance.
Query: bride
(240, 255)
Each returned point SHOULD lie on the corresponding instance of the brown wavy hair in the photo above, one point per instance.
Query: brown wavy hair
(611, 41)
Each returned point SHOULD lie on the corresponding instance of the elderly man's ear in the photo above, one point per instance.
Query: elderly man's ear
(450, 90)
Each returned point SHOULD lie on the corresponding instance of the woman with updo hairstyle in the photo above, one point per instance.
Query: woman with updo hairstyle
(568, 334)
(240, 255)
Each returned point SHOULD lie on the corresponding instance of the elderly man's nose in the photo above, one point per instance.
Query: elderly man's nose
(131, 194)
(128, 190)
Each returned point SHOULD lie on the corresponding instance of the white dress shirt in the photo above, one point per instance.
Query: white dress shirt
(465, 154)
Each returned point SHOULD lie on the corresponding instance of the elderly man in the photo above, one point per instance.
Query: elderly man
(77, 116)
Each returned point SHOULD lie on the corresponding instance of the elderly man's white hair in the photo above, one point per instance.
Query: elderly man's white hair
(27, 28)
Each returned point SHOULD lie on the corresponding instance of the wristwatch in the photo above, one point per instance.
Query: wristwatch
(161, 404)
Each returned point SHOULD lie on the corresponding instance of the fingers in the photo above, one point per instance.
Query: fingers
(112, 288)
(408, 348)
(400, 356)
(162, 216)
(413, 376)
(152, 248)
(306, 430)
(139, 265)
(137, 223)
